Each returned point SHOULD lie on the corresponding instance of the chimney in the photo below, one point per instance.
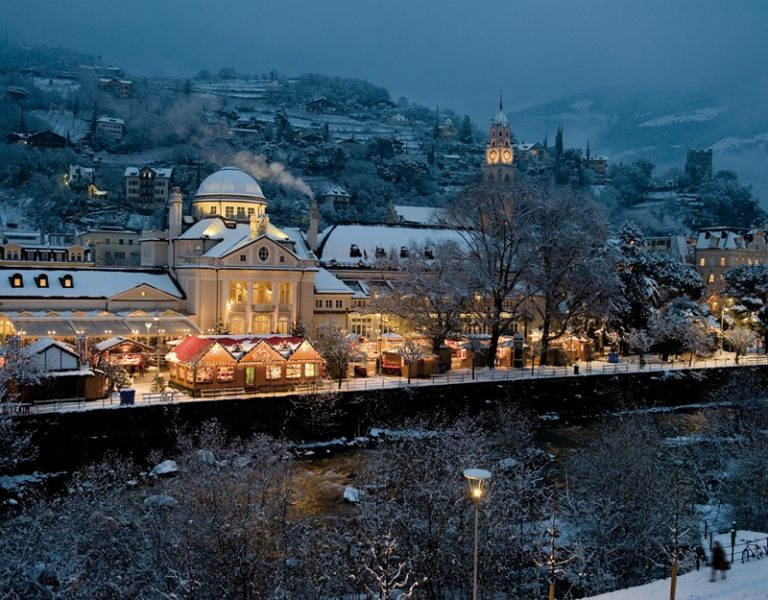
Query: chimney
(174, 213)
(314, 220)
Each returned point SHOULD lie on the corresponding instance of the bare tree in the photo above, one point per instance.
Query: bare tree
(337, 348)
(411, 353)
(573, 277)
(431, 294)
(496, 224)
(641, 342)
(740, 339)
(19, 370)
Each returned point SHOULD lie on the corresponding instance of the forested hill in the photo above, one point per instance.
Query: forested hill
(322, 130)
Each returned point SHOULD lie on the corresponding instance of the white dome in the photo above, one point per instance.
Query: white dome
(232, 183)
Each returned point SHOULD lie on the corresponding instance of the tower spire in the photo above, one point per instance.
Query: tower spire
(501, 95)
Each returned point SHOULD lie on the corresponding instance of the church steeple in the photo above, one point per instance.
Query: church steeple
(499, 154)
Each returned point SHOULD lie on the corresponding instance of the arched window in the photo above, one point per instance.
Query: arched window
(67, 281)
(381, 253)
(354, 251)
(404, 252)
(429, 253)
(17, 280)
(42, 280)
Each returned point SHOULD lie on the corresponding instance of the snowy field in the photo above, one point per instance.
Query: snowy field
(744, 581)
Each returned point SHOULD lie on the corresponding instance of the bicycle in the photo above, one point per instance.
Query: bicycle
(756, 551)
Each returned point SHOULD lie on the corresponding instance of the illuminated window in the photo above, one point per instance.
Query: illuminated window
(722, 261)
(42, 280)
(262, 293)
(67, 281)
(237, 292)
(310, 370)
(274, 372)
(225, 374)
(263, 254)
(711, 278)
(17, 280)
(702, 262)
(292, 371)
(284, 293)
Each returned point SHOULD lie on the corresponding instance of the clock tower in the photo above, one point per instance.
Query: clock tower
(499, 153)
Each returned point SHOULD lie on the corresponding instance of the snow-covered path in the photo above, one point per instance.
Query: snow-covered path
(744, 581)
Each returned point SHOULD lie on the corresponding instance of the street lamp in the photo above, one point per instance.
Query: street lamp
(476, 479)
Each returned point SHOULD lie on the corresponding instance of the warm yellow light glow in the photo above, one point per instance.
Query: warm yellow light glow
(477, 492)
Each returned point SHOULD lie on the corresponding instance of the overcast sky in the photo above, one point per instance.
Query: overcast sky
(447, 52)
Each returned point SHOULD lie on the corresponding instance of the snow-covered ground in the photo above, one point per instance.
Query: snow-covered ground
(700, 114)
(744, 581)
(63, 123)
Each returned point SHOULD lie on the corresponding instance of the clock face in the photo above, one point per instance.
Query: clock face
(493, 156)
(506, 156)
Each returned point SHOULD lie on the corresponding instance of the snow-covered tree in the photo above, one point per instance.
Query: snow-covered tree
(337, 348)
(740, 339)
(411, 353)
(748, 286)
(639, 341)
(496, 224)
(572, 278)
(431, 293)
(18, 370)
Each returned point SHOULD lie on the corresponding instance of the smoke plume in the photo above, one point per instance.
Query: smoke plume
(257, 165)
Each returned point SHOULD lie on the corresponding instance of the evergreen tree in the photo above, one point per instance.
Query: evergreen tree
(588, 152)
(326, 133)
(465, 134)
(559, 143)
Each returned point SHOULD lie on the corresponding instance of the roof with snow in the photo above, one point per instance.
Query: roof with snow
(233, 235)
(327, 283)
(114, 120)
(86, 283)
(159, 172)
(351, 245)
(230, 183)
(43, 344)
(724, 239)
(421, 215)
(193, 348)
(336, 191)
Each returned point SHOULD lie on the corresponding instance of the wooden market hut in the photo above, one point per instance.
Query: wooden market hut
(130, 354)
(252, 363)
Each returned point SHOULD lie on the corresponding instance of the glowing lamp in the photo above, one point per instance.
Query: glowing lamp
(477, 479)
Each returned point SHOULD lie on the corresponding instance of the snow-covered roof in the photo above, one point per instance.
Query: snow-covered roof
(160, 172)
(723, 239)
(335, 190)
(233, 235)
(327, 283)
(423, 215)
(230, 182)
(115, 120)
(43, 344)
(86, 283)
(337, 242)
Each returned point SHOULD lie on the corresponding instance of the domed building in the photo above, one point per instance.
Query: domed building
(231, 193)
(239, 272)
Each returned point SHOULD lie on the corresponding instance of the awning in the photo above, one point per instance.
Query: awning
(101, 327)
(43, 327)
(168, 325)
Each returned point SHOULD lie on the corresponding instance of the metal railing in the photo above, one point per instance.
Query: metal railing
(586, 369)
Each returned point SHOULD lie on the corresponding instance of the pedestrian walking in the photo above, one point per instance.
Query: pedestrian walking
(719, 562)
(700, 557)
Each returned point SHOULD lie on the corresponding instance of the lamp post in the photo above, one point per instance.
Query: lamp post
(476, 479)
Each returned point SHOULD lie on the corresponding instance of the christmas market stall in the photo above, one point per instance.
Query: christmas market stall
(251, 363)
(130, 354)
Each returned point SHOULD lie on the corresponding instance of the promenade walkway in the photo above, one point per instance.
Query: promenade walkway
(585, 369)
